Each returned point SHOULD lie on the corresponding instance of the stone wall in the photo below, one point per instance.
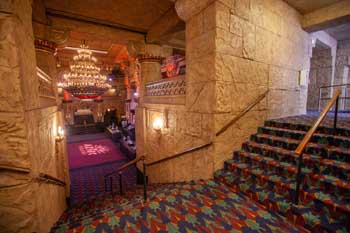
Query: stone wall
(320, 75)
(27, 131)
(342, 71)
(235, 51)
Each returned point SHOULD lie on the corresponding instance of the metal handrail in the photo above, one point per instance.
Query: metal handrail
(120, 170)
(50, 179)
(301, 147)
(180, 154)
(15, 169)
(345, 97)
(241, 114)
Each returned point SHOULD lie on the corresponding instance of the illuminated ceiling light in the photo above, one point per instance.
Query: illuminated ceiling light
(85, 81)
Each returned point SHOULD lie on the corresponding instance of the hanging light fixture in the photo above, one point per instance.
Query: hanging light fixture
(84, 80)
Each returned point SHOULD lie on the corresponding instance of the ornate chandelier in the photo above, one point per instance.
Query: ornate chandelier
(84, 80)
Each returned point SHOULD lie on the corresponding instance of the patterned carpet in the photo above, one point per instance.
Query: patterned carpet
(266, 166)
(203, 206)
(254, 192)
(87, 170)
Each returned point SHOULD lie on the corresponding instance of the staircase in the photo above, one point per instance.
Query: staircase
(266, 166)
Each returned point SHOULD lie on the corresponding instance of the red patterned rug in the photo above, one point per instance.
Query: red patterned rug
(89, 153)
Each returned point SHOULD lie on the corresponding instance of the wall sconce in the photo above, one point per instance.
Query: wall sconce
(60, 134)
(158, 124)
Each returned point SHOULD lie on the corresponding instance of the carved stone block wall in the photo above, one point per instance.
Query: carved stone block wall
(27, 131)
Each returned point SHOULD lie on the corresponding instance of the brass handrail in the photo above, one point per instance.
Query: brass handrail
(15, 169)
(241, 114)
(180, 154)
(119, 171)
(301, 147)
(126, 166)
(50, 179)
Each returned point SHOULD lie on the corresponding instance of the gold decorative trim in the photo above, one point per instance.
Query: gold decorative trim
(149, 58)
(45, 45)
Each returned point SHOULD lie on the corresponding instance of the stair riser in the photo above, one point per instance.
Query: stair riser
(324, 139)
(285, 125)
(311, 163)
(308, 181)
(288, 193)
(320, 151)
(285, 209)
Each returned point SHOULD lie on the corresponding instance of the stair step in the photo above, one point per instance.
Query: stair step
(318, 164)
(337, 206)
(330, 152)
(305, 127)
(326, 139)
(304, 216)
(328, 184)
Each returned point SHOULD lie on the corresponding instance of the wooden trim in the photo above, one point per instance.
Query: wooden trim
(126, 165)
(241, 114)
(50, 179)
(180, 154)
(15, 169)
(313, 129)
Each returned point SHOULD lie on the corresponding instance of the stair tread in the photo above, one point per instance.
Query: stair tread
(310, 144)
(333, 162)
(281, 201)
(292, 168)
(289, 183)
(304, 132)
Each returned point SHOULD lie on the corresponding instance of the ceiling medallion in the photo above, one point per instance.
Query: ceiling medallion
(84, 80)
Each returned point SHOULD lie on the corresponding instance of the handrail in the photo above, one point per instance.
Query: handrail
(241, 114)
(50, 179)
(126, 166)
(313, 129)
(301, 147)
(180, 154)
(15, 169)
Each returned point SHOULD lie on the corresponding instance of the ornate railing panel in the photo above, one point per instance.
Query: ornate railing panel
(167, 87)
(46, 88)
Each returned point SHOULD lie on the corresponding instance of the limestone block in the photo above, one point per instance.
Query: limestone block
(200, 46)
(221, 120)
(264, 46)
(249, 41)
(188, 8)
(281, 78)
(194, 124)
(252, 92)
(197, 73)
(183, 167)
(11, 98)
(236, 25)
(228, 43)
(242, 8)
(17, 209)
(13, 137)
(207, 126)
(222, 16)
(223, 97)
(272, 22)
(195, 27)
(200, 97)
(202, 164)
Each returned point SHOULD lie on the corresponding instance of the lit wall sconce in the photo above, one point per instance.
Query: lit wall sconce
(158, 124)
(60, 134)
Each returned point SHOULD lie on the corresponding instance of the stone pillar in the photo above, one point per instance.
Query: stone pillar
(235, 51)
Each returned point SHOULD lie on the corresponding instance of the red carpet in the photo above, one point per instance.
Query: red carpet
(89, 153)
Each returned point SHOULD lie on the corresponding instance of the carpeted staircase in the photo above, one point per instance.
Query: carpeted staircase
(264, 170)
(266, 166)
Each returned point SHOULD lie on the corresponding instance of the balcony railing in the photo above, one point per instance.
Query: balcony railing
(167, 87)
(46, 88)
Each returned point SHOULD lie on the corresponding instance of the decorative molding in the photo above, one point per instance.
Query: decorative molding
(149, 58)
(167, 87)
(46, 87)
(45, 45)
